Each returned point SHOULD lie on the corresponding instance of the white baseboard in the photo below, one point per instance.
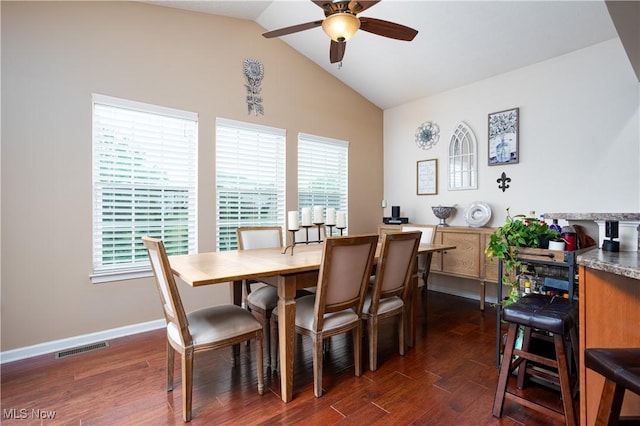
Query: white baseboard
(72, 342)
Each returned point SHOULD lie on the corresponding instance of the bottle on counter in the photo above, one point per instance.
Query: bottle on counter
(555, 227)
(570, 238)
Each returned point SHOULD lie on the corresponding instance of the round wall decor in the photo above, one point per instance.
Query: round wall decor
(427, 135)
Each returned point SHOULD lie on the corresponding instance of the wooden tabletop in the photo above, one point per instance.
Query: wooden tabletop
(225, 266)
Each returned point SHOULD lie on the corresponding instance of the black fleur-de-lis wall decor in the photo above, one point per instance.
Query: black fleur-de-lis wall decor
(503, 180)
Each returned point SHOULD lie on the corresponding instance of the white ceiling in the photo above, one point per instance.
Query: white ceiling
(458, 43)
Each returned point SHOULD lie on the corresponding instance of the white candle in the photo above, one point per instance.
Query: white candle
(331, 216)
(317, 214)
(293, 224)
(341, 220)
(306, 216)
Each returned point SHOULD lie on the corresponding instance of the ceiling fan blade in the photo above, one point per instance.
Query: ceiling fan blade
(292, 29)
(387, 29)
(325, 5)
(357, 6)
(336, 51)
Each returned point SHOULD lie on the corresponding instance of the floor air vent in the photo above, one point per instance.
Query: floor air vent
(82, 349)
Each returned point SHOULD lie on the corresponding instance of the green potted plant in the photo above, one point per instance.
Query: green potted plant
(517, 232)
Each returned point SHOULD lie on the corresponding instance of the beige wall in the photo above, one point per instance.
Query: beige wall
(54, 56)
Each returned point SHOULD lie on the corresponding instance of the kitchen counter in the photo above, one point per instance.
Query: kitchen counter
(609, 310)
(624, 263)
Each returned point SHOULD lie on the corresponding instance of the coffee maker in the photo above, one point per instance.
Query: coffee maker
(611, 232)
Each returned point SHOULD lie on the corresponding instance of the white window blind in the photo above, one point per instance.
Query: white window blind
(250, 178)
(323, 172)
(144, 183)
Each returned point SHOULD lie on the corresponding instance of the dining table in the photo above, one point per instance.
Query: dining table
(291, 270)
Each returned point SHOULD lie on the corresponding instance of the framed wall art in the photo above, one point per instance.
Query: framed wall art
(427, 177)
(503, 137)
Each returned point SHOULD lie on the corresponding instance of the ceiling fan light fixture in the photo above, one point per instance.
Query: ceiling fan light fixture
(341, 26)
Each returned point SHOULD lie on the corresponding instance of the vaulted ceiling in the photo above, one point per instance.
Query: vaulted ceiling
(458, 42)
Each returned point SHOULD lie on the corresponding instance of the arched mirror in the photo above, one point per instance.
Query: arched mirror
(463, 159)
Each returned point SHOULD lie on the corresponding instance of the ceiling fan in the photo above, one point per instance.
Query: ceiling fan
(341, 23)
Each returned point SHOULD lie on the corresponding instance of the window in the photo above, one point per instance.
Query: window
(323, 170)
(250, 178)
(144, 183)
(463, 164)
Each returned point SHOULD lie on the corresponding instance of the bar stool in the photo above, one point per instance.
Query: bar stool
(548, 318)
(621, 370)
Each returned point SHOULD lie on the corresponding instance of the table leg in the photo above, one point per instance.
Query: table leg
(286, 333)
(236, 293)
(236, 298)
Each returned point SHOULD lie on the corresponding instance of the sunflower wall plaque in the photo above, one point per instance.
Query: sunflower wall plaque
(253, 73)
(427, 135)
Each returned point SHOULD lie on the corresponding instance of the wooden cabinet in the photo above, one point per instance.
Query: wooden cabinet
(609, 309)
(489, 266)
(467, 260)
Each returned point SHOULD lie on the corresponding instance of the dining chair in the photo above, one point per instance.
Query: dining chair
(424, 259)
(262, 300)
(202, 330)
(390, 294)
(336, 307)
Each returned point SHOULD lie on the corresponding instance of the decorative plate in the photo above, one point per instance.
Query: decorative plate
(427, 135)
(477, 214)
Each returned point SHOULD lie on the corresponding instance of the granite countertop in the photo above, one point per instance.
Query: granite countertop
(624, 263)
(594, 216)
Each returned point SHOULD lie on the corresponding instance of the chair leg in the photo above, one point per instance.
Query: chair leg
(259, 362)
(187, 383)
(170, 364)
(357, 348)
(372, 326)
(526, 340)
(565, 383)
(610, 404)
(575, 347)
(317, 364)
(425, 299)
(505, 370)
(273, 347)
(266, 332)
(401, 332)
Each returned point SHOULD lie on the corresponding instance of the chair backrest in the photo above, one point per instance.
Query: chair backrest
(344, 275)
(395, 266)
(174, 313)
(257, 237)
(428, 232)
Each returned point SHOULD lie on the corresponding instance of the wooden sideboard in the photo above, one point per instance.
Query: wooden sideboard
(467, 260)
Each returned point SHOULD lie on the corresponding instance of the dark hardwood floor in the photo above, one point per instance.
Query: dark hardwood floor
(448, 378)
